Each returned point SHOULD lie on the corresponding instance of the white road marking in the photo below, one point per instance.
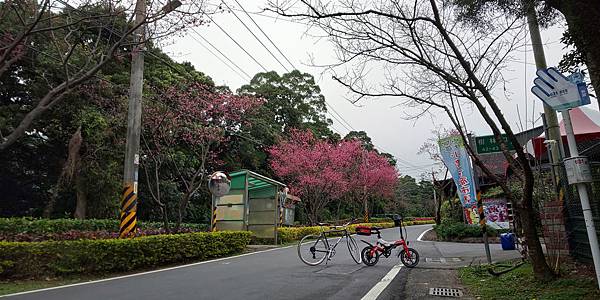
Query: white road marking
(423, 234)
(377, 289)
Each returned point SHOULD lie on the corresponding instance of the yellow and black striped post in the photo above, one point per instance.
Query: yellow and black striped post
(214, 219)
(128, 222)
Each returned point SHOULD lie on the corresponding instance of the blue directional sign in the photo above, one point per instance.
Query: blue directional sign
(558, 91)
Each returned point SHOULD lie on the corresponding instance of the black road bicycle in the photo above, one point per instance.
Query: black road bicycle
(314, 249)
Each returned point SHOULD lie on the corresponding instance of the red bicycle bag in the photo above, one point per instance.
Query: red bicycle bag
(363, 230)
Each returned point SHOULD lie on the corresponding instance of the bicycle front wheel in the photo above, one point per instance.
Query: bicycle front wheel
(353, 248)
(313, 249)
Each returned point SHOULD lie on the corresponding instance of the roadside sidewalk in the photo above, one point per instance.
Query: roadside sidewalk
(421, 280)
(438, 268)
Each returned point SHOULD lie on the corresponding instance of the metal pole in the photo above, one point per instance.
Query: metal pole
(549, 113)
(482, 220)
(584, 198)
(134, 120)
(483, 225)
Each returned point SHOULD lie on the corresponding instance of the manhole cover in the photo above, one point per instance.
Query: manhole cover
(445, 292)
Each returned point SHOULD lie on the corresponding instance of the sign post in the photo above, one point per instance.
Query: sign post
(562, 94)
(219, 185)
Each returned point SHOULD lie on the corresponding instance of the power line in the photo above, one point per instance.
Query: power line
(236, 42)
(219, 58)
(226, 57)
(254, 35)
(259, 28)
(340, 119)
(263, 15)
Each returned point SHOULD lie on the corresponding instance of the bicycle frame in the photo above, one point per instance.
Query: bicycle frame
(382, 248)
(330, 249)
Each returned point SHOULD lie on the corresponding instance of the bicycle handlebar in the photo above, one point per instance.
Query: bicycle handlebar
(339, 226)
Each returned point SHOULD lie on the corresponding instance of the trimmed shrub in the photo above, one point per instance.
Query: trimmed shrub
(27, 260)
(455, 230)
(78, 235)
(13, 226)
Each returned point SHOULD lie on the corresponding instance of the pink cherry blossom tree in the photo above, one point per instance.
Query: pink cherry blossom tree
(321, 172)
(375, 178)
(308, 165)
(195, 120)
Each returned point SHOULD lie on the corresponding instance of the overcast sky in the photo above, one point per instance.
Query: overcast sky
(385, 125)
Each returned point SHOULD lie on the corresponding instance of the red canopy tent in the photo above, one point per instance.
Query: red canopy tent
(586, 126)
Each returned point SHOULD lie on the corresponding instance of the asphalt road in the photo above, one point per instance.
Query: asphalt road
(272, 274)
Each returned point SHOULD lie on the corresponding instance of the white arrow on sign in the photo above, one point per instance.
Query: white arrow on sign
(557, 91)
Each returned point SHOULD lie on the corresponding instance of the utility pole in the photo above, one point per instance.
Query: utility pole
(128, 215)
(134, 124)
(554, 134)
(555, 153)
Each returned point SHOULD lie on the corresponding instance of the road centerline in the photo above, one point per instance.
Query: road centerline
(380, 286)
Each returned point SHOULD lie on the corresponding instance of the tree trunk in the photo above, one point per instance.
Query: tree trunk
(438, 208)
(583, 20)
(81, 208)
(70, 169)
(163, 210)
(366, 209)
(527, 214)
(181, 209)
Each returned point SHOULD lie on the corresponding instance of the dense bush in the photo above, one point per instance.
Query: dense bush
(452, 210)
(289, 234)
(14, 226)
(455, 230)
(27, 260)
(77, 235)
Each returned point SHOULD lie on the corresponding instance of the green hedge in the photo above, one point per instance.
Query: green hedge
(39, 259)
(290, 234)
(45, 226)
(455, 230)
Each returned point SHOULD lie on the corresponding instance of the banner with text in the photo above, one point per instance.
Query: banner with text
(455, 157)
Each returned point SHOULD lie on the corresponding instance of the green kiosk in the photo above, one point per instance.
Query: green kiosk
(255, 203)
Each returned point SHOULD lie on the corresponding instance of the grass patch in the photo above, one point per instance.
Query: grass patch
(521, 284)
(11, 287)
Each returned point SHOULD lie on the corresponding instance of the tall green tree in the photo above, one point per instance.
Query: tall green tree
(413, 198)
(293, 101)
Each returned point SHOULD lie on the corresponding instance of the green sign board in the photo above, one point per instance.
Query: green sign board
(487, 144)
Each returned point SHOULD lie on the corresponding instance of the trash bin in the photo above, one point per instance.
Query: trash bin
(508, 241)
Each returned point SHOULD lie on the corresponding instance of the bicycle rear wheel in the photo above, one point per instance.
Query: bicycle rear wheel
(367, 258)
(353, 248)
(313, 249)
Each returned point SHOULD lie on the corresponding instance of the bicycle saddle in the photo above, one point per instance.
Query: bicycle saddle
(376, 228)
